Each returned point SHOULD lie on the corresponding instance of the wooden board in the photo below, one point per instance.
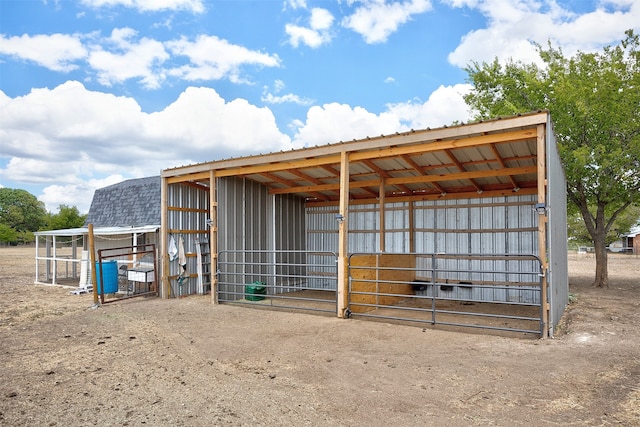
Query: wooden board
(383, 268)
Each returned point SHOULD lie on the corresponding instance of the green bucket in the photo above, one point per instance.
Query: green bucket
(255, 291)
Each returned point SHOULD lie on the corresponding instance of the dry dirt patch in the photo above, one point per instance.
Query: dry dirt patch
(186, 362)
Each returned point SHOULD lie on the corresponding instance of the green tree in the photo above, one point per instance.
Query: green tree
(21, 210)
(67, 217)
(594, 101)
(8, 234)
(577, 231)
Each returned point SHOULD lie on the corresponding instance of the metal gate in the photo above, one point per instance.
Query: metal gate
(127, 272)
(500, 292)
(291, 279)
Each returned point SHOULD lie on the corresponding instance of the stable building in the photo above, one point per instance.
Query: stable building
(460, 226)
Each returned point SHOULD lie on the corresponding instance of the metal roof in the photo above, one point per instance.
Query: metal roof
(495, 157)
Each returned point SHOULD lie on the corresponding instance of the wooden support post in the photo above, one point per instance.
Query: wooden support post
(381, 199)
(165, 284)
(412, 227)
(542, 226)
(213, 236)
(343, 231)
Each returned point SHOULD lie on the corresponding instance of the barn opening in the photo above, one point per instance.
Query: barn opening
(461, 226)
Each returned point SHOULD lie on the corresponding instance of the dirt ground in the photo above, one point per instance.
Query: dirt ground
(185, 362)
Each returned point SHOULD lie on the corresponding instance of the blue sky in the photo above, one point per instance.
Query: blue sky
(93, 92)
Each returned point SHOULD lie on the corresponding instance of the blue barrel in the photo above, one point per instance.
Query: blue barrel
(110, 276)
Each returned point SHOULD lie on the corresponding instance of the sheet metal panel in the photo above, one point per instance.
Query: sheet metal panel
(557, 231)
(289, 230)
(196, 198)
(500, 225)
(245, 223)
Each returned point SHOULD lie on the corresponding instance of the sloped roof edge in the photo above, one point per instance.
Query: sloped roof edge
(444, 132)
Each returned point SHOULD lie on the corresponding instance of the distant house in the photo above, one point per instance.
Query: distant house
(631, 242)
(122, 214)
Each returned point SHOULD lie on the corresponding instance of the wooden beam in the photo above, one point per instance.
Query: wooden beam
(461, 167)
(431, 146)
(188, 177)
(343, 231)
(316, 181)
(179, 209)
(213, 236)
(165, 285)
(411, 180)
(261, 164)
(416, 167)
(381, 203)
(542, 226)
(502, 163)
(448, 196)
(384, 174)
(412, 227)
(273, 167)
(412, 137)
(289, 183)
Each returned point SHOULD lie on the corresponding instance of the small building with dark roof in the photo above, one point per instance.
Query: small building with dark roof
(122, 214)
(130, 203)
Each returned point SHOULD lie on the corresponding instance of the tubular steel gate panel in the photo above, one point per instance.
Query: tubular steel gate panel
(292, 279)
(499, 292)
(127, 272)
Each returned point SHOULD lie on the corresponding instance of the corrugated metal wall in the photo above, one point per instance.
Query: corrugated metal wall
(557, 231)
(289, 214)
(254, 224)
(194, 221)
(501, 225)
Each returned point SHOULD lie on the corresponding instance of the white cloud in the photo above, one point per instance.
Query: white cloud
(273, 96)
(206, 127)
(376, 20)
(57, 52)
(195, 6)
(339, 122)
(212, 58)
(69, 136)
(295, 4)
(321, 19)
(514, 26)
(78, 194)
(334, 122)
(444, 106)
(318, 32)
(74, 140)
(124, 56)
(129, 59)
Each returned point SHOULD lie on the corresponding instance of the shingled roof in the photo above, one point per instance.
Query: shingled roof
(131, 203)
